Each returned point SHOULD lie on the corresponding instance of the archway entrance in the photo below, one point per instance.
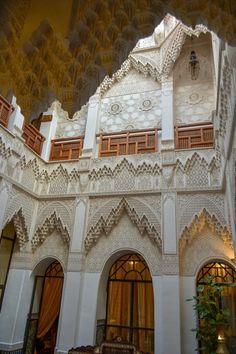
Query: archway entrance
(130, 303)
(41, 331)
(223, 273)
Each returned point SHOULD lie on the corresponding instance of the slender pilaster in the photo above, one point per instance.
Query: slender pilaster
(91, 125)
(167, 111)
(71, 298)
(48, 130)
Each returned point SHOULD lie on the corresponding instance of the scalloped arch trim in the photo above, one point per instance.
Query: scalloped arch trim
(49, 225)
(106, 224)
(198, 223)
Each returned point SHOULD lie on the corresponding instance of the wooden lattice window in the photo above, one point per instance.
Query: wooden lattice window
(126, 143)
(66, 148)
(33, 138)
(5, 111)
(194, 136)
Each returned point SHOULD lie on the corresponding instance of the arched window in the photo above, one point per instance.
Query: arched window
(42, 324)
(223, 273)
(130, 303)
(7, 242)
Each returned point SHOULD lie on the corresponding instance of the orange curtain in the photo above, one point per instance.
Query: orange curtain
(50, 305)
(119, 308)
(143, 315)
(143, 312)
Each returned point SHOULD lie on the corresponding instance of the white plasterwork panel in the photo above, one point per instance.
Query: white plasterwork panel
(189, 205)
(124, 236)
(53, 246)
(204, 247)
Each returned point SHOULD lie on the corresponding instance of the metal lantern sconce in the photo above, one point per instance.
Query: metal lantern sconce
(194, 66)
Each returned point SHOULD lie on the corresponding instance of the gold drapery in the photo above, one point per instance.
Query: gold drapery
(119, 312)
(50, 304)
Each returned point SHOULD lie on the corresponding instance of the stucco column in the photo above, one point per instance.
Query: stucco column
(91, 125)
(15, 307)
(167, 112)
(86, 330)
(66, 334)
(170, 315)
(48, 130)
(188, 315)
(168, 322)
(72, 291)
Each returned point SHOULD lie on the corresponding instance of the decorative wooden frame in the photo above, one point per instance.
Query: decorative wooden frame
(129, 142)
(33, 138)
(6, 110)
(66, 148)
(194, 136)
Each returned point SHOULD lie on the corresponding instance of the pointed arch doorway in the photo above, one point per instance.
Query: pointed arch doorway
(130, 303)
(42, 324)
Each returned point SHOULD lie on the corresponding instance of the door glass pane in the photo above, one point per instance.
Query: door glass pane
(130, 301)
(143, 305)
(119, 303)
(5, 255)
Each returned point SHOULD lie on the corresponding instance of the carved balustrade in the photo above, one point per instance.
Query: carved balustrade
(194, 136)
(5, 111)
(66, 148)
(130, 142)
(33, 138)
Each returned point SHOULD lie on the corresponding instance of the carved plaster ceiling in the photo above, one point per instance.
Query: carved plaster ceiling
(63, 49)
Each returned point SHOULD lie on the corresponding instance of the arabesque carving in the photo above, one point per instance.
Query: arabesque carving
(21, 229)
(198, 223)
(197, 172)
(106, 222)
(142, 168)
(50, 224)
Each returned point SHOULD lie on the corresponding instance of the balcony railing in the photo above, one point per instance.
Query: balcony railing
(130, 142)
(33, 138)
(5, 111)
(66, 148)
(194, 136)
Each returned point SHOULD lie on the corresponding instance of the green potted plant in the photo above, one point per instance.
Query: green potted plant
(213, 320)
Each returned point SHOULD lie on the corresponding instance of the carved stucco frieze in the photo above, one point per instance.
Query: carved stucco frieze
(53, 215)
(52, 247)
(198, 223)
(109, 214)
(205, 247)
(126, 176)
(191, 205)
(20, 209)
(125, 236)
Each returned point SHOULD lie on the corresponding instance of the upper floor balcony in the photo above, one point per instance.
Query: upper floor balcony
(198, 135)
